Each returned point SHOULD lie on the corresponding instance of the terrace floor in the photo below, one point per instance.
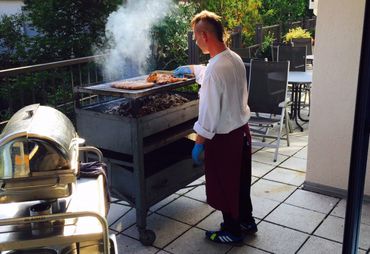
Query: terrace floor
(290, 219)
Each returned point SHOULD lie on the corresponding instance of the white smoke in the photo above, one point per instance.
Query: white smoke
(128, 30)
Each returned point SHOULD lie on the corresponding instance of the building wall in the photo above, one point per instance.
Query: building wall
(337, 54)
(10, 7)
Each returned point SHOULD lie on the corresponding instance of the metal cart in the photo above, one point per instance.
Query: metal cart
(149, 156)
(82, 226)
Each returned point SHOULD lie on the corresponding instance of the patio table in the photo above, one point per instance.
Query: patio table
(298, 79)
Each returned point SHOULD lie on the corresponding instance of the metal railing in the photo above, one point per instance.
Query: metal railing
(276, 31)
(49, 84)
(261, 31)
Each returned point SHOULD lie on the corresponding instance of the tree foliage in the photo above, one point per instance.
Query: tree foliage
(170, 36)
(244, 13)
(60, 30)
(68, 28)
(275, 11)
(47, 31)
(13, 42)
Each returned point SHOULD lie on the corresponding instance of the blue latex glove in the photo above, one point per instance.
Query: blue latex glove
(195, 154)
(181, 71)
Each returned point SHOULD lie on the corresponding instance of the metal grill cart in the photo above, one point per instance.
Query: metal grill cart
(43, 207)
(149, 155)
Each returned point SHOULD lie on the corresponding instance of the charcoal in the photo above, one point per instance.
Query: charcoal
(147, 105)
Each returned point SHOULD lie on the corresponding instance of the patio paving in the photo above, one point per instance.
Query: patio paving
(290, 219)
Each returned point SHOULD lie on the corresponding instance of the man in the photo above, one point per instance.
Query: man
(222, 129)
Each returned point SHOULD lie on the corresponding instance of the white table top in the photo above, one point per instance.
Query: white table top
(302, 77)
(309, 57)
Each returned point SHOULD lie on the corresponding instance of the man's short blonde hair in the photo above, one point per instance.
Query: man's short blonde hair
(212, 20)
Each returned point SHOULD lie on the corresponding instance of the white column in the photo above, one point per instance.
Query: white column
(336, 66)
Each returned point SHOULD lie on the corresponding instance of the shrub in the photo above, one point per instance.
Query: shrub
(297, 32)
(265, 50)
(237, 13)
(170, 37)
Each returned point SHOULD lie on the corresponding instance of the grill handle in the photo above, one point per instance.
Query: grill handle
(92, 149)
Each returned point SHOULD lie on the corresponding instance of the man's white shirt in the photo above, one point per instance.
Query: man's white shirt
(223, 96)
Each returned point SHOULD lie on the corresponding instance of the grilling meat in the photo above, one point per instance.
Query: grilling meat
(163, 78)
(132, 85)
(153, 78)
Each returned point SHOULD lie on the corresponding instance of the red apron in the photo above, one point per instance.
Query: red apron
(223, 157)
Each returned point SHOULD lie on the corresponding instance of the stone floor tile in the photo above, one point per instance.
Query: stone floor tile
(272, 190)
(191, 185)
(303, 133)
(262, 206)
(276, 239)
(113, 199)
(340, 211)
(284, 149)
(202, 179)
(166, 229)
(298, 140)
(186, 210)
(164, 202)
(302, 153)
(254, 179)
(296, 218)
(116, 210)
(317, 245)
(256, 149)
(295, 163)
(128, 245)
(312, 201)
(194, 241)
(163, 252)
(333, 227)
(111, 231)
(260, 139)
(211, 222)
(246, 250)
(125, 221)
(260, 169)
(123, 202)
(199, 193)
(283, 175)
(268, 158)
(184, 190)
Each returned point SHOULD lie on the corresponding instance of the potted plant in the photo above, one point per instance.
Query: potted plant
(296, 33)
(264, 50)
